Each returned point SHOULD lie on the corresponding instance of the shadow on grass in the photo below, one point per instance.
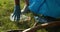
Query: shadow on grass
(22, 25)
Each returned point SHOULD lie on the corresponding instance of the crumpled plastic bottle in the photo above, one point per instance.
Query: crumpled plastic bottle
(22, 18)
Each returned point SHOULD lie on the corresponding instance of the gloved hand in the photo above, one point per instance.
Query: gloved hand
(25, 9)
(15, 16)
(40, 20)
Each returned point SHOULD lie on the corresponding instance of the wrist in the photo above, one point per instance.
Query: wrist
(16, 8)
(17, 2)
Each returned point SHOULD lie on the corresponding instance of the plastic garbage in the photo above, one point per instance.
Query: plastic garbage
(22, 18)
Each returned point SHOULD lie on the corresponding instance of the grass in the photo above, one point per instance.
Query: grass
(6, 8)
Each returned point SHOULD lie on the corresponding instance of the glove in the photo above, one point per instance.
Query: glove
(25, 9)
(15, 16)
(40, 20)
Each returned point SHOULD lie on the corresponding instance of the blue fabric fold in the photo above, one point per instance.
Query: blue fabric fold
(49, 8)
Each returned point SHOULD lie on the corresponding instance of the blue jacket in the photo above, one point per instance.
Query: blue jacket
(46, 7)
